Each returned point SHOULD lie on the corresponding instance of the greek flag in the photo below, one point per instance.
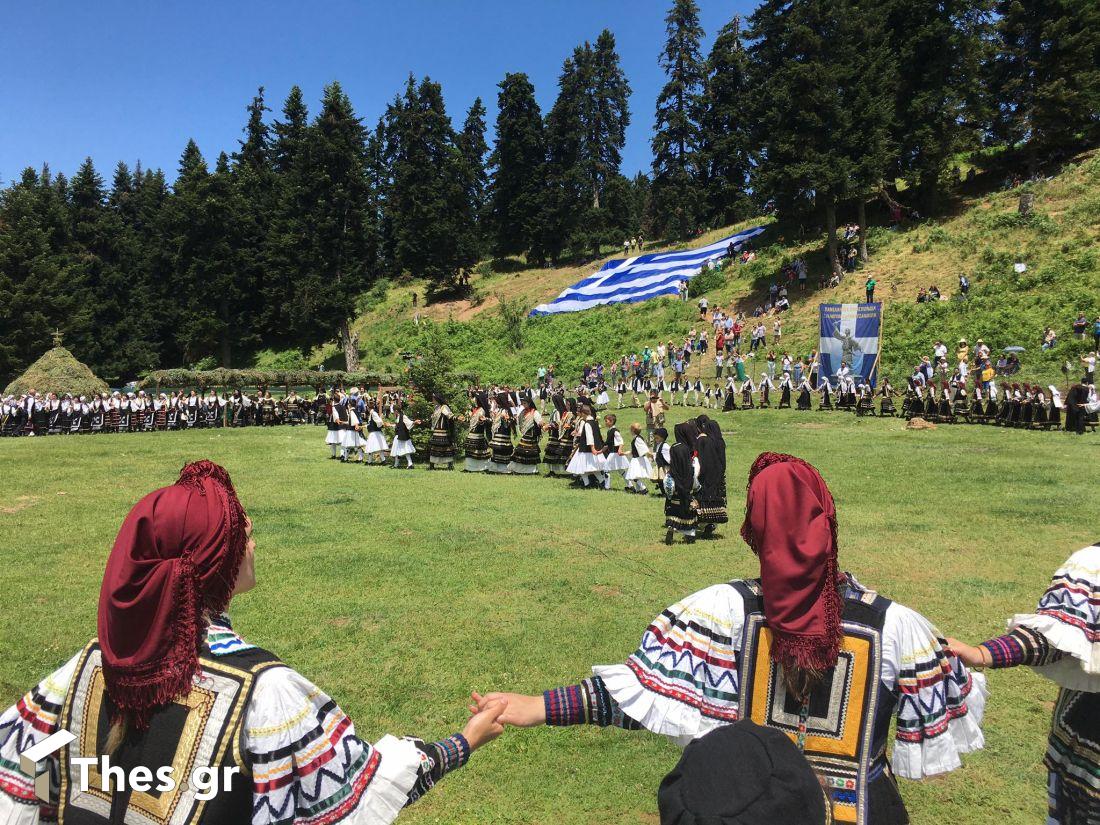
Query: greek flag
(629, 280)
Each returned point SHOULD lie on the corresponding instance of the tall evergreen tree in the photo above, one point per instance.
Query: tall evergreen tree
(725, 129)
(336, 217)
(608, 116)
(253, 182)
(517, 167)
(474, 149)
(1046, 75)
(676, 138)
(567, 204)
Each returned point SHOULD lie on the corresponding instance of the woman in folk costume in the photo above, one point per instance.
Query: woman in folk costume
(1061, 641)
(476, 446)
(785, 391)
(766, 386)
(333, 423)
(402, 438)
(804, 394)
(585, 465)
(500, 444)
(805, 649)
(886, 394)
(747, 389)
(680, 484)
(97, 415)
(730, 404)
(376, 446)
(615, 458)
(640, 468)
(192, 410)
(826, 390)
(78, 418)
(662, 459)
(555, 461)
(710, 498)
(567, 444)
(167, 683)
(526, 457)
(441, 445)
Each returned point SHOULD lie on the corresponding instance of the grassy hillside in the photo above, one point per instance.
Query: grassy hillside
(983, 238)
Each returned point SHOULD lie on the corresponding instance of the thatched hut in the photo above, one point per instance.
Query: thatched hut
(57, 371)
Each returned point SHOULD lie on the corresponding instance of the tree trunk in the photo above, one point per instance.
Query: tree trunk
(830, 244)
(862, 230)
(350, 345)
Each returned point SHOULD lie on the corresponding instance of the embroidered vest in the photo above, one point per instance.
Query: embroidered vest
(201, 730)
(849, 711)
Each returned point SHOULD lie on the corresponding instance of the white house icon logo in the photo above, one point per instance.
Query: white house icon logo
(33, 761)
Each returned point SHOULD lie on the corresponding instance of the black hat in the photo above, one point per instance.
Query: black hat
(559, 402)
(742, 774)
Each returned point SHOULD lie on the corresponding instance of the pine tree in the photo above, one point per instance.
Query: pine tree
(1046, 76)
(568, 201)
(474, 149)
(253, 181)
(36, 294)
(609, 114)
(933, 45)
(676, 139)
(336, 218)
(287, 247)
(518, 168)
(725, 129)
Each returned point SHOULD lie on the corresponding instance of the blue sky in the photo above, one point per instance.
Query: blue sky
(129, 81)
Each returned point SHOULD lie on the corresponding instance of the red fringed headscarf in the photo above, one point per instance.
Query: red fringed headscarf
(176, 558)
(790, 523)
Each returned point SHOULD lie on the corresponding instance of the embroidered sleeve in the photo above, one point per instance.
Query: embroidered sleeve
(1021, 646)
(587, 703)
(940, 703)
(683, 680)
(309, 766)
(23, 725)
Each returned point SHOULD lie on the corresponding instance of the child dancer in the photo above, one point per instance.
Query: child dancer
(662, 455)
(376, 445)
(640, 467)
(615, 461)
(402, 439)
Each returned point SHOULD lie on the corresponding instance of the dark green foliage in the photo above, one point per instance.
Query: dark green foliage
(677, 138)
(517, 164)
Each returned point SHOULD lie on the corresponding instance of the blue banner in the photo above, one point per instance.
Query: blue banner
(850, 334)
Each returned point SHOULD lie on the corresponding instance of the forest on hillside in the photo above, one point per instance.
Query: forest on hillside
(803, 108)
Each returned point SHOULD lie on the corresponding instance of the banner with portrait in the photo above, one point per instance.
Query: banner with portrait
(850, 334)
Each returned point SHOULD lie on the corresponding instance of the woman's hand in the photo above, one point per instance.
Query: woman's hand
(521, 711)
(968, 655)
(485, 725)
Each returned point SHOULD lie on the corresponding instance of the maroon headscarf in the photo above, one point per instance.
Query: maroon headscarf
(176, 558)
(790, 523)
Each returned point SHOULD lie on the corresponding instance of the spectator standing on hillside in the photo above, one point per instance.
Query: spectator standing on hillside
(940, 353)
(1096, 333)
(777, 331)
(773, 291)
(1089, 360)
(870, 289)
(703, 309)
(771, 364)
(1080, 326)
(964, 286)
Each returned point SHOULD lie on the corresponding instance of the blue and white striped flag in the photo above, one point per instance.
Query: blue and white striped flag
(628, 280)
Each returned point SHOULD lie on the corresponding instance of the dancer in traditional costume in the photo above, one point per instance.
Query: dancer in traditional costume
(555, 461)
(525, 457)
(476, 446)
(351, 436)
(710, 498)
(1061, 641)
(765, 387)
(640, 468)
(615, 459)
(376, 446)
(167, 684)
(785, 387)
(805, 649)
(402, 439)
(886, 399)
(336, 419)
(441, 446)
(680, 484)
(585, 465)
(501, 442)
(662, 459)
(804, 394)
(747, 389)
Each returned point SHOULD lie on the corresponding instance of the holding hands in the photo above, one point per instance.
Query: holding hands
(518, 710)
(486, 723)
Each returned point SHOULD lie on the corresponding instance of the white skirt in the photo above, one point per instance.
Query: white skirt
(376, 443)
(584, 462)
(351, 439)
(523, 469)
(402, 446)
(640, 468)
(602, 398)
(495, 467)
(477, 465)
(616, 462)
(333, 437)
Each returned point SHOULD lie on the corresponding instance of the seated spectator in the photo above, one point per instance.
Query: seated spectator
(1013, 365)
(782, 304)
(1050, 338)
(922, 296)
(1002, 365)
(933, 293)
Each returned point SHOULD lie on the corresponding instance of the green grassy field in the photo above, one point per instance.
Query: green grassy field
(399, 592)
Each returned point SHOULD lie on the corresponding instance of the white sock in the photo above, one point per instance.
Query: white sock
(584, 480)
(333, 448)
(409, 459)
(395, 461)
(607, 481)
